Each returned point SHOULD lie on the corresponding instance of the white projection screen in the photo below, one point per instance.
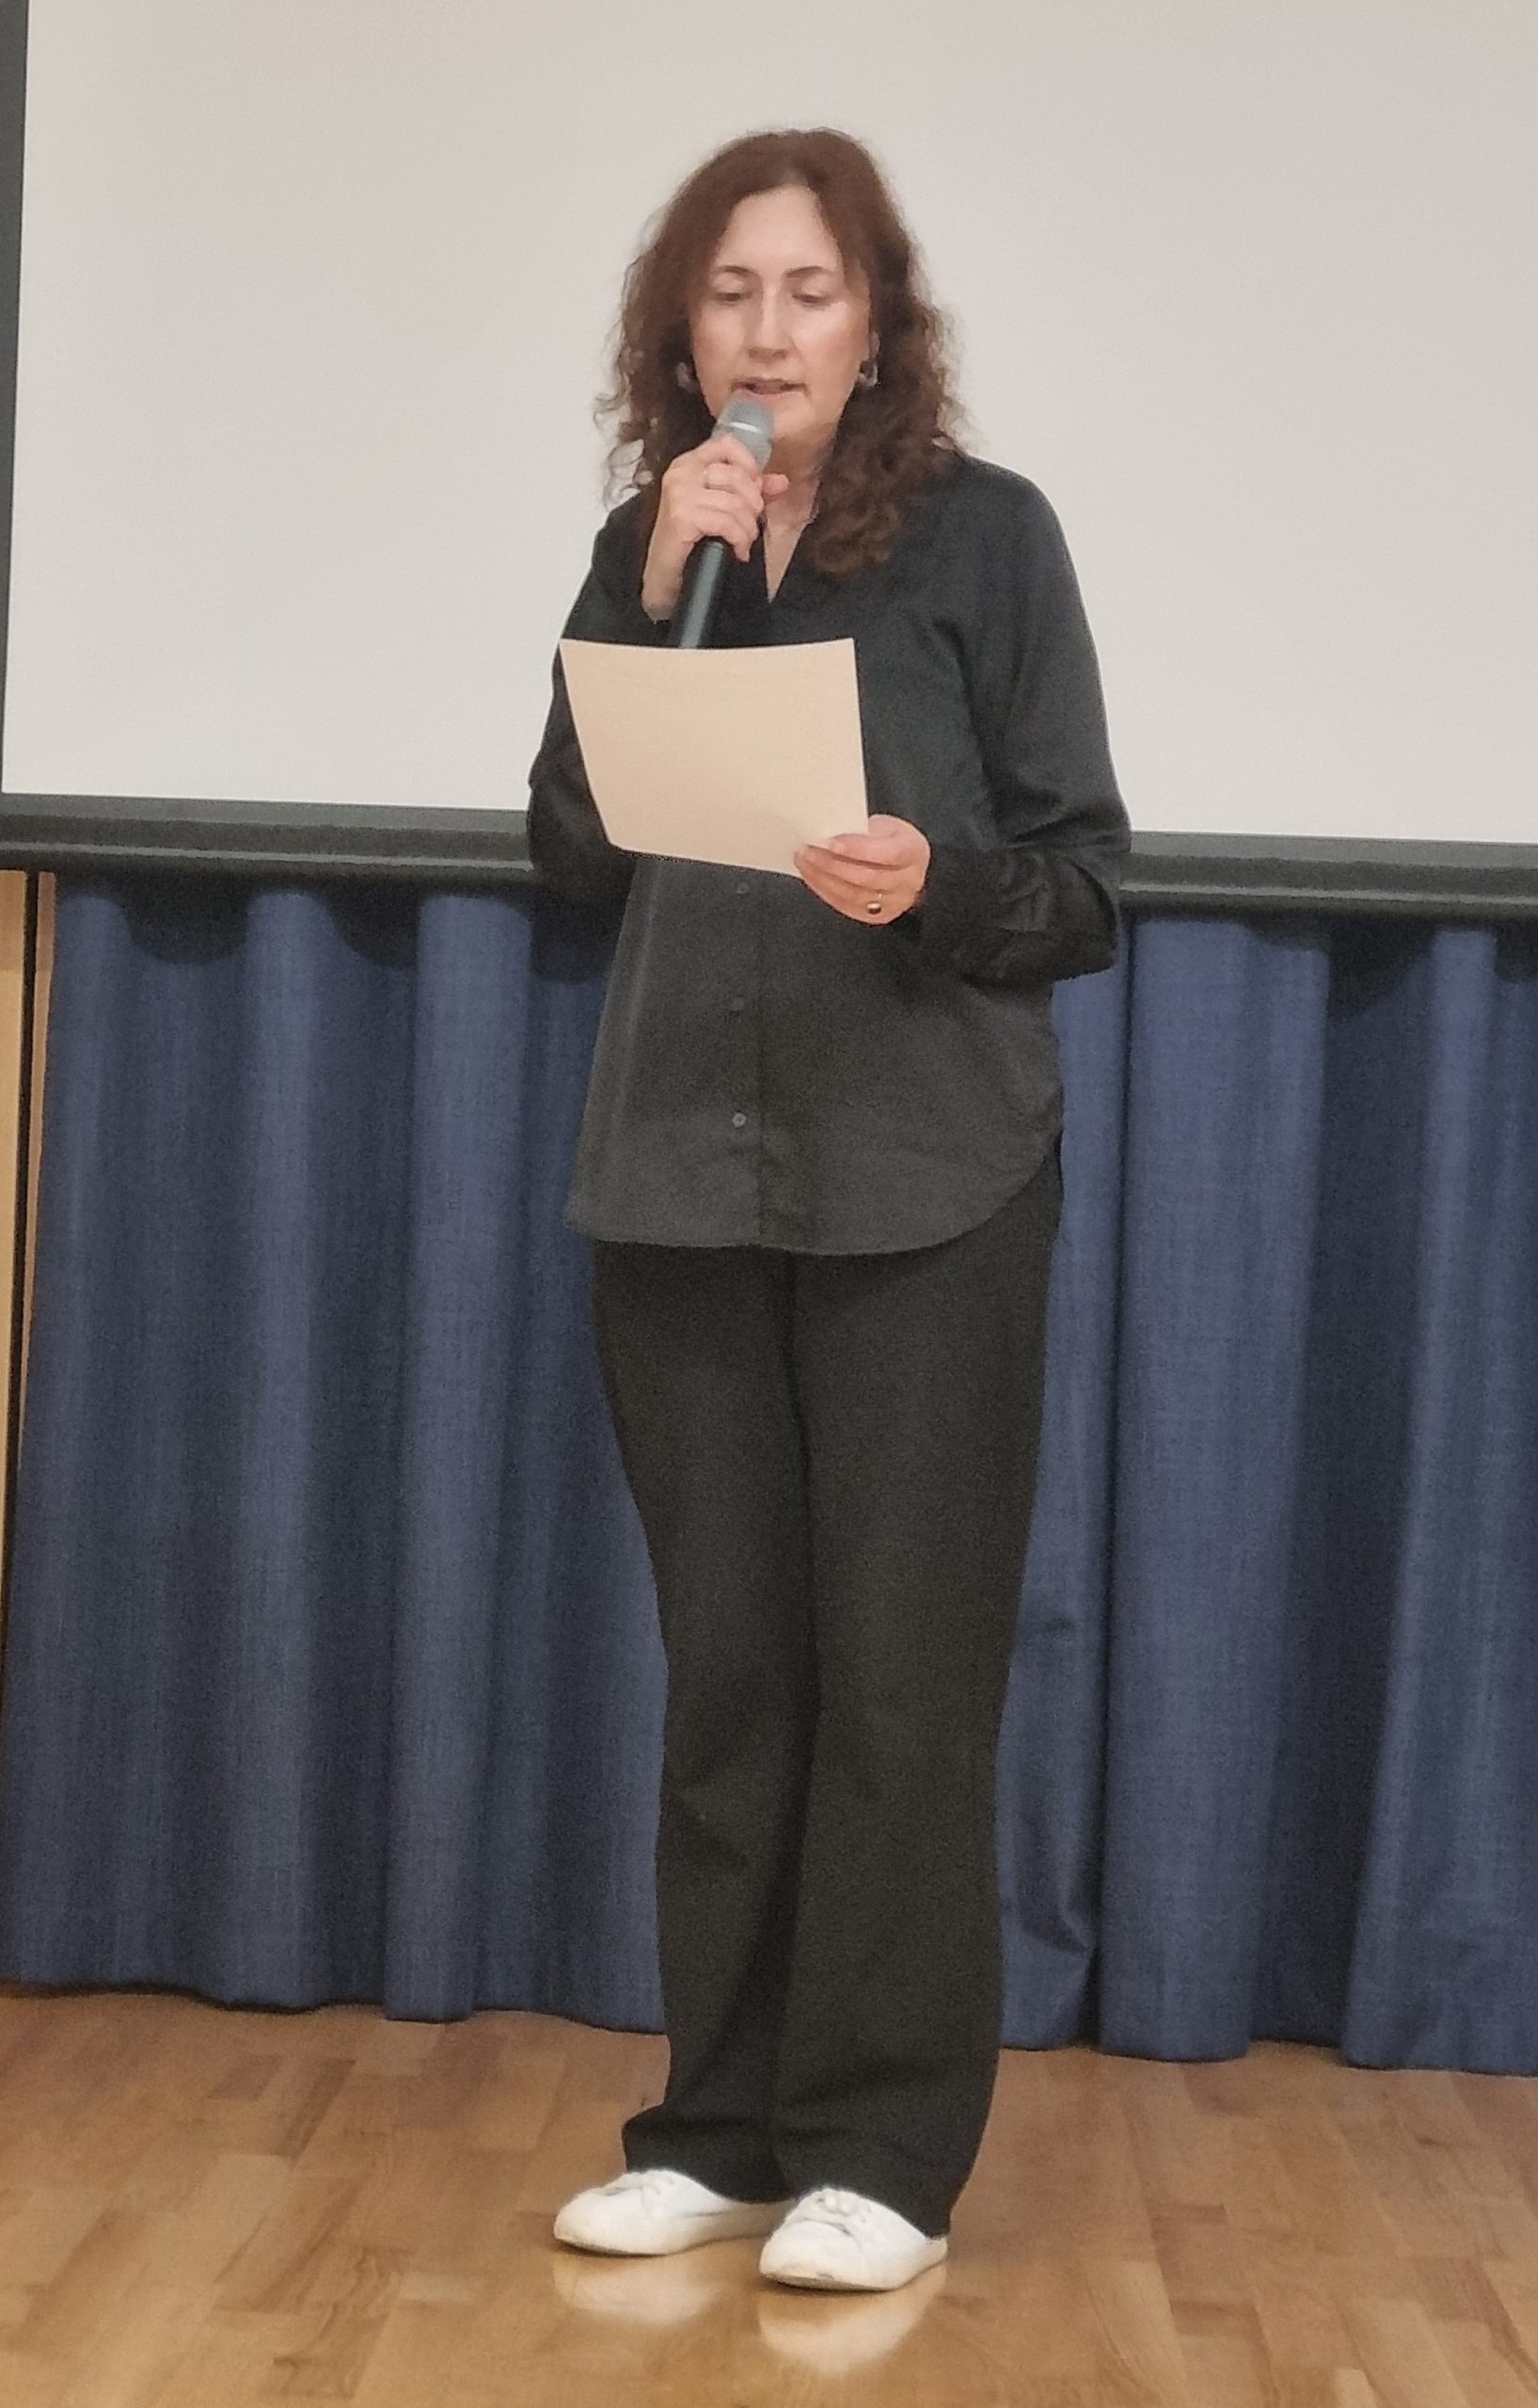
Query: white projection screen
(311, 300)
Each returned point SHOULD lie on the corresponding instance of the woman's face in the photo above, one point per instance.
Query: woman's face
(781, 319)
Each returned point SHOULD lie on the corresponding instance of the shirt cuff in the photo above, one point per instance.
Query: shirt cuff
(960, 897)
(1012, 915)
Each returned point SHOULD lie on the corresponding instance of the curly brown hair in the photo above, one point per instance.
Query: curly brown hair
(892, 439)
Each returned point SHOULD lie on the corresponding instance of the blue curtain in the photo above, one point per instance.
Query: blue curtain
(330, 1665)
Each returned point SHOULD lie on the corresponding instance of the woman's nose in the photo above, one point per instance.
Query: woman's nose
(766, 333)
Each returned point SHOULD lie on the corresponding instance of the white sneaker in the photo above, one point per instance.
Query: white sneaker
(835, 2240)
(656, 2212)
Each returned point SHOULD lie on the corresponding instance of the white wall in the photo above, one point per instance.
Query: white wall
(315, 294)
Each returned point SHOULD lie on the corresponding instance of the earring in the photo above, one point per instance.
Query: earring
(868, 374)
(685, 378)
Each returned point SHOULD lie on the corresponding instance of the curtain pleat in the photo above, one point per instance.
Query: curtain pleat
(331, 1664)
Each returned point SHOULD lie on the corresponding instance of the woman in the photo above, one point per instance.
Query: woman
(818, 1165)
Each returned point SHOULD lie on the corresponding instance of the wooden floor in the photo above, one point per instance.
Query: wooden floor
(200, 2209)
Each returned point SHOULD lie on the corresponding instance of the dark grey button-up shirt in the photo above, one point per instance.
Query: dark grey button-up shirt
(771, 1073)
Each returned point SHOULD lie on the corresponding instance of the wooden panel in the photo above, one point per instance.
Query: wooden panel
(26, 971)
(43, 976)
(14, 1017)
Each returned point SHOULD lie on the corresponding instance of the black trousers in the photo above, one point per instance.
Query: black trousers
(834, 1458)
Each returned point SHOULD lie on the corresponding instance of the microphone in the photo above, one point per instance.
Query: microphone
(752, 423)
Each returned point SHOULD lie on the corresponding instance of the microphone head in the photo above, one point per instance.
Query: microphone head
(752, 422)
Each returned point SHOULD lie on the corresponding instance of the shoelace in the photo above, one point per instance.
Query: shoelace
(844, 2209)
(650, 2178)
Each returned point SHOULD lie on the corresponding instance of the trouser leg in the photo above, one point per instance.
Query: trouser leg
(918, 1378)
(694, 1345)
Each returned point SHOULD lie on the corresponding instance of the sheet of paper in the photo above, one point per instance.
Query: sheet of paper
(730, 757)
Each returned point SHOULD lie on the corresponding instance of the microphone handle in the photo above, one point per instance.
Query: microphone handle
(703, 572)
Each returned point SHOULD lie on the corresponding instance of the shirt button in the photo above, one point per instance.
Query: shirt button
(739, 1121)
(741, 887)
(740, 1003)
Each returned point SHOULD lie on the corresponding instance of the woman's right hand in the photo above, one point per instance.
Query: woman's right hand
(714, 490)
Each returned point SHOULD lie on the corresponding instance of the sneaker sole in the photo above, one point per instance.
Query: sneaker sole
(809, 2281)
(749, 2223)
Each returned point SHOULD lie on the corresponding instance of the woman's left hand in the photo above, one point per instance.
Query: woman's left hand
(876, 875)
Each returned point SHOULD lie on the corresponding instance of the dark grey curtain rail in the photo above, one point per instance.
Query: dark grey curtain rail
(1241, 875)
